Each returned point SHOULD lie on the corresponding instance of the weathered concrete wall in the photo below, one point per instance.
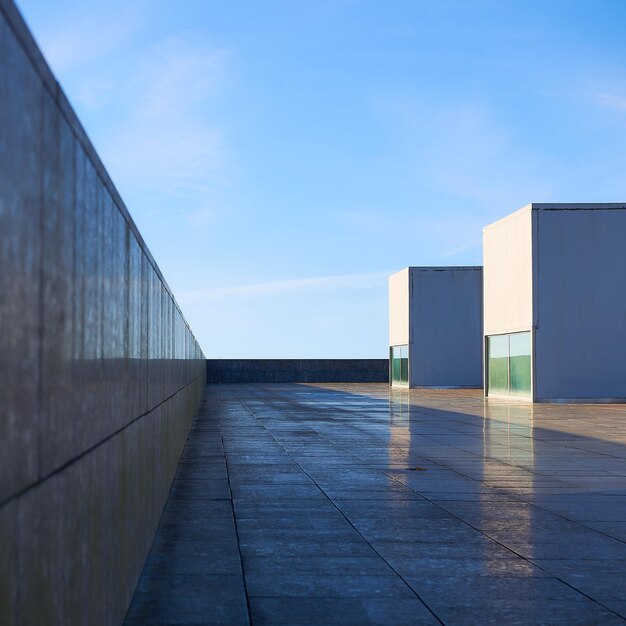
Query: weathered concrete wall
(297, 370)
(445, 321)
(580, 336)
(101, 375)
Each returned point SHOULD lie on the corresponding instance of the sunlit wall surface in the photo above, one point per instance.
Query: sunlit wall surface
(101, 375)
(553, 276)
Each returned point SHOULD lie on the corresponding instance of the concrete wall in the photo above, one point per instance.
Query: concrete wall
(399, 308)
(445, 320)
(580, 276)
(101, 375)
(297, 370)
(508, 278)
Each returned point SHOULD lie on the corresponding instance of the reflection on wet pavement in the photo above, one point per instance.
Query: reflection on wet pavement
(358, 504)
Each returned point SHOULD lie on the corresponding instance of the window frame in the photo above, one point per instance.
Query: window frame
(392, 381)
(508, 394)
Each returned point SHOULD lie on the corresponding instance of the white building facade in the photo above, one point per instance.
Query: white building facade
(435, 327)
(555, 303)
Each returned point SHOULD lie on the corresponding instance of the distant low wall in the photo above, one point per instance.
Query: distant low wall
(297, 370)
(100, 374)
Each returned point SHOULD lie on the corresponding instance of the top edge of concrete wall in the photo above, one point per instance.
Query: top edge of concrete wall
(299, 360)
(24, 36)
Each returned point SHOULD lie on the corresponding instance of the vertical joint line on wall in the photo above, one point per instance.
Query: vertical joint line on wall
(40, 342)
(534, 322)
(40, 300)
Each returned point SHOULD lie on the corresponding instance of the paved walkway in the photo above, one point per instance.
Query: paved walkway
(351, 504)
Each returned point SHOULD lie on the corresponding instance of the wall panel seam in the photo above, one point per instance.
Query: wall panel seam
(92, 448)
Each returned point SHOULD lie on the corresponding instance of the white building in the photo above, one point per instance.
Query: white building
(555, 303)
(435, 327)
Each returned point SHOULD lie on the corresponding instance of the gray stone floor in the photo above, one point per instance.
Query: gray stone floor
(353, 504)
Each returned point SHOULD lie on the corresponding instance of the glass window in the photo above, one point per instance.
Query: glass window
(508, 364)
(395, 367)
(399, 356)
(404, 363)
(519, 364)
(498, 364)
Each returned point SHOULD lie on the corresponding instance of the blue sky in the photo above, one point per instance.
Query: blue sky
(282, 158)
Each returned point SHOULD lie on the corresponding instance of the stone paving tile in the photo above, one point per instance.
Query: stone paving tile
(481, 590)
(549, 613)
(617, 530)
(395, 494)
(602, 580)
(356, 504)
(272, 492)
(193, 509)
(334, 566)
(189, 599)
(277, 478)
(480, 547)
(287, 512)
(424, 535)
(304, 549)
(335, 611)
(311, 534)
(448, 567)
(163, 563)
(299, 506)
(324, 585)
(543, 548)
(203, 489)
(617, 606)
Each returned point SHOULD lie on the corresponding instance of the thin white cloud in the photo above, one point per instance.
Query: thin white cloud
(201, 217)
(166, 141)
(425, 235)
(470, 245)
(461, 149)
(95, 93)
(391, 223)
(90, 33)
(611, 101)
(148, 103)
(320, 283)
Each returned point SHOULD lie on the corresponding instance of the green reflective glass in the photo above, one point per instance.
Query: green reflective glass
(498, 364)
(519, 364)
(399, 364)
(395, 369)
(509, 364)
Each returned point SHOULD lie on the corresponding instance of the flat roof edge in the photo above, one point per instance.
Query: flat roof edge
(443, 268)
(574, 206)
(438, 268)
(560, 206)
